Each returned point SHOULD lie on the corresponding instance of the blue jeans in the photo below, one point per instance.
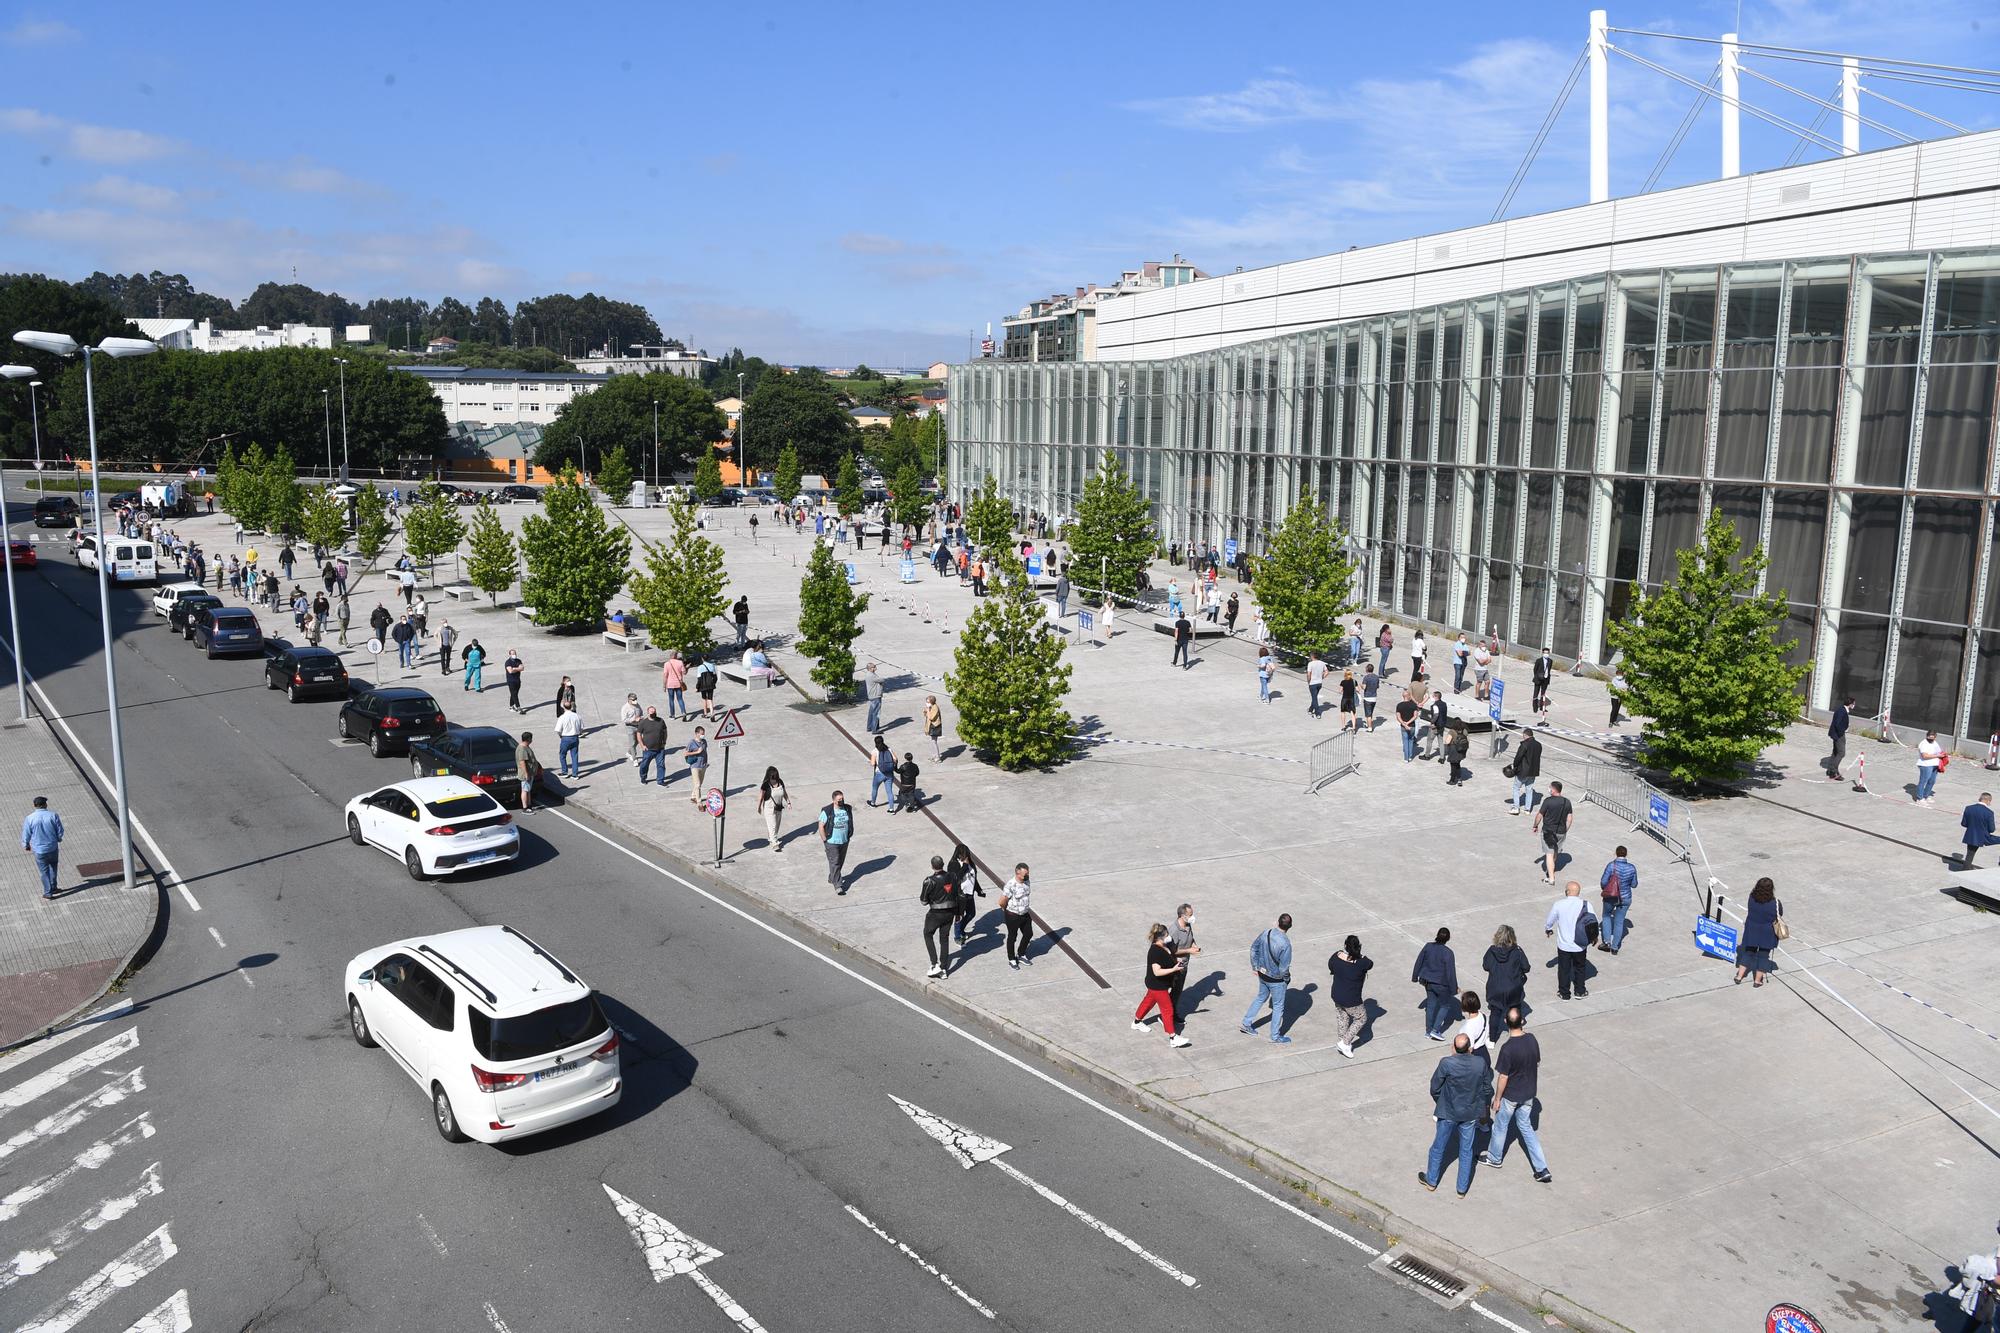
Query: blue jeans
(874, 716)
(1382, 666)
(567, 758)
(1613, 933)
(1465, 1130)
(1458, 675)
(45, 862)
(1524, 794)
(658, 757)
(1522, 1116)
(1313, 689)
(1274, 991)
(1409, 742)
(1926, 779)
(1263, 688)
(1441, 1009)
(677, 702)
(403, 651)
(877, 780)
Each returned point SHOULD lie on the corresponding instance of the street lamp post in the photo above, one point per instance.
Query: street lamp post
(13, 607)
(61, 344)
(656, 443)
(35, 418)
(742, 416)
(326, 415)
(341, 361)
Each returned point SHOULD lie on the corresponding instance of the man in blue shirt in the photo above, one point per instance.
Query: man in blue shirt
(42, 834)
(1271, 956)
(1620, 877)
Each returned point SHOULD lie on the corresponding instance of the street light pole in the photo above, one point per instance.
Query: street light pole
(35, 416)
(13, 607)
(341, 361)
(326, 414)
(742, 416)
(656, 443)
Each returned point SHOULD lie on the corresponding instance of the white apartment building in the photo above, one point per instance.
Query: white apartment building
(203, 336)
(644, 360)
(501, 397)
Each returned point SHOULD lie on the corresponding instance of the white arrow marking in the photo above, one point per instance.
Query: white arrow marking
(971, 1149)
(169, 1316)
(29, 1262)
(671, 1252)
(96, 1155)
(920, 1261)
(49, 1126)
(56, 1075)
(105, 1283)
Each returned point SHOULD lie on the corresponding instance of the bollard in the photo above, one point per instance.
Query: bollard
(1993, 751)
(1861, 775)
(927, 612)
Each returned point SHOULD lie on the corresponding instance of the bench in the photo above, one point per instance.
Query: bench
(526, 612)
(1203, 629)
(459, 592)
(739, 673)
(625, 636)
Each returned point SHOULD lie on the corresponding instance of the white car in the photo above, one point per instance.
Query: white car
(434, 826)
(168, 594)
(502, 1037)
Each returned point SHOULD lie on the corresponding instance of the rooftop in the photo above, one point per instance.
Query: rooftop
(471, 373)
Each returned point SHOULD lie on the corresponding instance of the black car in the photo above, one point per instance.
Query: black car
(726, 497)
(483, 756)
(389, 718)
(304, 672)
(181, 619)
(55, 511)
(228, 629)
(531, 494)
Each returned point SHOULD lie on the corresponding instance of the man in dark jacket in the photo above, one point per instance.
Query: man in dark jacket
(1977, 821)
(1183, 636)
(1437, 972)
(1440, 715)
(1527, 768)
(1837, 732)
(1544, 671)
(941, 897)
(379, 620)
(1461, 1089)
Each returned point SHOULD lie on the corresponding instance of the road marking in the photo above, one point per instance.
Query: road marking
(493, 1318)
(671, 1252)
(1284, 1205)
(1477, 1308)
(920, 1261)
(105, 1283)
(169, 1316)
(39, 1046)
(431, 1232)
(216, 935)
(971, 1149)
(29, 1262)
(96, 1155)
(56, 1075)
(50, 1126)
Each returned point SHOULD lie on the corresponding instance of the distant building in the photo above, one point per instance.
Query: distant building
(501, 397)
(358, 333)
(1063, 327)
(643, 359)
(938, 370)
(442, 345)
(871, 418)
(202, 336)
(493, 453)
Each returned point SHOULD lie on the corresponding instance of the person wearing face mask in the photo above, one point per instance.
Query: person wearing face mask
(1015, 910)
(1180, 938)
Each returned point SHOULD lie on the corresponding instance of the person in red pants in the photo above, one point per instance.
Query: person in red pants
(1161, 969)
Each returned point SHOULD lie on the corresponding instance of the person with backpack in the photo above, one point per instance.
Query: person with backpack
(1457, 744)
(1271, 958)
(704, 685)
(1436, 970)
(942, 898)
(1161, 969)
(1615, 885)
(1574, 929)
(882, 773)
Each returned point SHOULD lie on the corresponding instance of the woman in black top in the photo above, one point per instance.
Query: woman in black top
(940, 898)
(1760, 932)
(1347, 701)
(1507, 972)
(1455, 748)
(964, 872)
(1161, 965)
(1350, 971)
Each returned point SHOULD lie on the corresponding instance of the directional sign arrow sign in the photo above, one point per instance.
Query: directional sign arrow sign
(971, 1149)
(671, 1252)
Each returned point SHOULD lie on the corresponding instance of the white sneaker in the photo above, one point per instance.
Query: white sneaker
(1345, 1050)
(1138, 1027)
(935, 971)
(1178, 1040)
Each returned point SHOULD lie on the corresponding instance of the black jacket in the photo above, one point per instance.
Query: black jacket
(1528, 758)
(940, 892)
(1507, 972)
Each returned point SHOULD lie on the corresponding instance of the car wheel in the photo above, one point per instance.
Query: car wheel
(354, 830)
(441, 1114)
(210, 650)
(417, 767)
(413, 863)
(376, 747)
(359, 1023)
(291, 694)
(269, 683)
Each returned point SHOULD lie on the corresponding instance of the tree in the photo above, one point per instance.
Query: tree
(619, 414)
(572, 325)
(829, 619)
(681, 588)
(788, 475)
(847, 496)
(576, 560)
(1112, 538)
(371, 522)
(493, 563)
(247, 476)
(433, 527)
(989, 519)
(910, 504)
(1008, 679)
(1305, 585)
(323, 519)
(284, 498)
(708, 477)
(614, 475)
(1703, 662)
(802, 410)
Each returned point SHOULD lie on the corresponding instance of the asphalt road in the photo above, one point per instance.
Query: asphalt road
(302, 1184)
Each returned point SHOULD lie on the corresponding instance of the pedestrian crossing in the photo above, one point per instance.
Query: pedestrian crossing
(86, 1239)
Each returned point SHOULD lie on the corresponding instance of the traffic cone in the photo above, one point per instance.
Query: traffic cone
(1861, 775)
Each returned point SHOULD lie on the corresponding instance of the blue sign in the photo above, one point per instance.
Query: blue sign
(1229, 552)
(1499, 688)
(1034, 566)
(1085, 622)
(1658, 813)
(909, 570)
(1715, 939)
(853, 574)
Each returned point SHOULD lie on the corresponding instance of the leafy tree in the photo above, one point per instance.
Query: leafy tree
(1112, 538)
(1305, 586)
(989, 518)
(284, 498)
(1704, 664)
(228, 476)
(168, 296)
(576, 560)
(1008, 679)
(909, 504)
(719, 376)
(433, 527)
(573, 325)
(371, 522)
(802, 410)
(829, 620)
(788, 475)
(490, 322)
(708, 477)
(614, 475)
(681, 589)
(323, 519)
(863, 372)
(620, 414)
(847, 487)
(493, 562)
(247, 476)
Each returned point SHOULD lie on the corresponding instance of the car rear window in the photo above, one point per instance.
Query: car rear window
(413, 708)
(482, 749)
(545, 1031)
(468, 806)
(236, 620)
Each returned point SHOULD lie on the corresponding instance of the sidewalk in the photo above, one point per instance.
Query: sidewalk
(56, 957)
(1715, 1148)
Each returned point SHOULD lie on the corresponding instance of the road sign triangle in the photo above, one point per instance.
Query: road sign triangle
(731, 729)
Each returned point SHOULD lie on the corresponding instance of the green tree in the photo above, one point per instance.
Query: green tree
(1704, 664)
(680, 591)
(829, 620)
(620, 414)
(800, 409)
(432, 527)
(492, 562)
(283, 497)
(989, 518)
(847, 487)
(371, 522)
(576, 560)
(1112, 538)
(323, 520)
(788, 474)
(1305, 585)
(246, 495)
(908, 502)
(614, 475)
(708, 477)
(1008, 679)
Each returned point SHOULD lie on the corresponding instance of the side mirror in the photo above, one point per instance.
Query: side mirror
(366, 976)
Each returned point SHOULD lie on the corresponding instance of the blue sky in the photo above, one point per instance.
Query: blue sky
(830, 184)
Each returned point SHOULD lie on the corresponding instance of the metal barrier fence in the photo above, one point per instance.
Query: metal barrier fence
(1329, 760)
(1626, 795)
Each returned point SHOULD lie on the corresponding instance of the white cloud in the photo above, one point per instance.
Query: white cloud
(302, 175)
(1277, 99)
(124, 192)
(40, 32)
(93, 143)
(871, 243)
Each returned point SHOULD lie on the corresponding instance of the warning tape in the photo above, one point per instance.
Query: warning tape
(1177, 745)
(1918, 999)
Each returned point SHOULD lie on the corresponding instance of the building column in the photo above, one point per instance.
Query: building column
(1840, 520)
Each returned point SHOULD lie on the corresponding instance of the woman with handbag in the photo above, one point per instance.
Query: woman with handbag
(771, 802)
(934, 727)
(1014, 910)
(1763, 926)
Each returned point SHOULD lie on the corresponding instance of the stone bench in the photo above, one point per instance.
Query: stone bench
(627, 637)
(526, 612)
(1203, 629)
(743, 676)
(459, 592)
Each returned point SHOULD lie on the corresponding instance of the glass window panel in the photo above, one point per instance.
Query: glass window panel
(1985, 721)
(1635, 422)
(1753, 314)
(1858, 660)
(1415, 493)
(1438, 607)
(1617, 601)
(1895, 305)
(1588, 335)
(1874, 533)
(1499, 595)
(1642, 326)
(1575, 524)
(1743, 419)
(1451, 401)
(1798, 630)
(1441, 509)
(1569, 615)
(1392, 439)
(1675, 507)
(1628, 512)
(1422, 404)
(1548, 412)
(1943, 559)
(1683, 419)
(1805, 431)
(1392, 478)
(1743, 506)
(1964, 348)
(1533, 630)
(1958, 428)
(1584, 389)
(1819, 310)
(1929, 659)
(1413, 580)
(1797, 544)
(1690, 314)
(1453, 333)
(1501, 544)
(1509, 453)
(1968, 295)
(1385, 573)
(1541, 499)
(1888, 388)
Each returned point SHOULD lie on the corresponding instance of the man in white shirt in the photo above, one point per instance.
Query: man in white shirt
(1571, 963)
(1315, 681)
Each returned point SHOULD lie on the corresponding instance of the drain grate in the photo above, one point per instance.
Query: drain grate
(1440, 1284)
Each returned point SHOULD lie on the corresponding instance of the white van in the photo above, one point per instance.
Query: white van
(132, 561)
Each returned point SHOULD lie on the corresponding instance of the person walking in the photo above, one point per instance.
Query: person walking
(1161, 968)
(740, 613)
(1018, 915)
(1267, 666)
(1183, 636)
(326, 577)
(696, 758)
(1350, 973)
(1418, 651)
(420, 617)
(1110, 618)
(1315, 682)
(1436, 970)
(1371, 685)
(1930, 762)
(1977, 821)
(941, 897)
(1456, 747)
(1180, 938)
(705, 677)
(871, 686)
(1763, 926)
(1174, 598)
(569, 743)
(1615, 886)
(673, 679)
(630, 715)
(287, 558)
(1440, 724)
(379, 621)
(565, 694)
(836, 832)
(1524, 770)
(340, 575)
(342, 616)
(447, 636)
(1406, 723)
(1271, 959)
(1507, 971)
(1461, 1086)
(1516, 1086)
(1619, 685)
(1553, 820)
(1062, 594)
(475, 662)
(528, 768)
(1229, 614)
(1385, 639)
(1461, 652)
(1471, 1024)
(1349, 701)
(41, 838)
(1836, 731)
(907, 796)
(934, 726)
(964, 872)
(652, 734)
(881, 771)
(405, 635)
(1566, 925)
(512, 666)
(1542, 673)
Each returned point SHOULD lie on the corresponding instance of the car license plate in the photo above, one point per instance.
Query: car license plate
(559, 1071)
(444, 772)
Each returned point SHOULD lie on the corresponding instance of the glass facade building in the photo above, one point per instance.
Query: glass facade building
(1521, 461)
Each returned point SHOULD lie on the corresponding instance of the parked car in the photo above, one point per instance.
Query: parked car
(227, 629)
(169, 593)
(434, 826)
(504, 1039)
(726, 497)
(21, 554)
(305, 672)
(181, 619)
(389, 717)
(530, 494)
(483, 756)
(55, 511)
